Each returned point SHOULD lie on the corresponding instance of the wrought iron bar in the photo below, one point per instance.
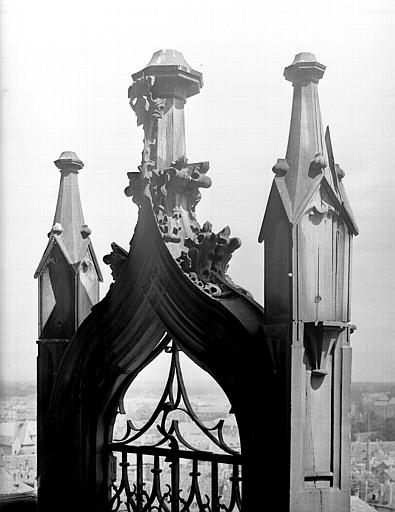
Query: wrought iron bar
(236, 479)
(235, 497)
(195, 485)
(183, 454)
(124, 465)
(139, 480)
(175, 483)
(139, 500)
(116, 498)
(214, 487)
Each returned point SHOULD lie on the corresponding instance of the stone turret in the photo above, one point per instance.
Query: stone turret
(308, 229)
(68, 286)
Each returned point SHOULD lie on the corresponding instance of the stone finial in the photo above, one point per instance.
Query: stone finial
(174, 77)
(304, 68)
(68, 214)
(69, 161)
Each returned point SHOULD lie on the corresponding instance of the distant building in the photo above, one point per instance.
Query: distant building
(379, 472)
(11, 488)
(358, 505)
(379, 451)
(18, 437)
(381, 404)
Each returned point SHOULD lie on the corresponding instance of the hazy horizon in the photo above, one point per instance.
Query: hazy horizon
(152, 379)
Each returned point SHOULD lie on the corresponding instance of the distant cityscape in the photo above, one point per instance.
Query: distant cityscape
(372, 430)
(373, 444)
(18, 438)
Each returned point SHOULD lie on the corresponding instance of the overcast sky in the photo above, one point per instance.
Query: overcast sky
(65, 71)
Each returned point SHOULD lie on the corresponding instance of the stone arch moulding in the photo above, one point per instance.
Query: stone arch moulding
(153, 296)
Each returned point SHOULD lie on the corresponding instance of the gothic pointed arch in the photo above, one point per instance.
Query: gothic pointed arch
(151, 296)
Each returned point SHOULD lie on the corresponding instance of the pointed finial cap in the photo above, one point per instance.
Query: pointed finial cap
(304, 68)
(174, 77)
(69, 161)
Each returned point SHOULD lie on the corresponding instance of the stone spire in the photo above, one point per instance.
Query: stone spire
(309, 160)
(68, 271)
(68, 221)
(306, 158)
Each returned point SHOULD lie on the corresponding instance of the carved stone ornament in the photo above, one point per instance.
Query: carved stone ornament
(148, 110)
(321, 207)
(174, 193)
(85, 231)
(281, 167)
(116, 260)
(317, 165)
(320, 340)
(57, 229)
(207, 260)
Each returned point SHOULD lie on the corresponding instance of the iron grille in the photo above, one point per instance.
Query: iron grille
(172, 475)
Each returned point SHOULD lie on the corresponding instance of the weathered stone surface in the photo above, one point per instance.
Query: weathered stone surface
(173, 189)
(116, 260)
(307, 229)
(294, 357)
(69, 273)
(69, 277)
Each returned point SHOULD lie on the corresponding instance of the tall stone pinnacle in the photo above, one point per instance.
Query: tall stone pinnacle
(306, 156)
(68, 221)
(309, 161)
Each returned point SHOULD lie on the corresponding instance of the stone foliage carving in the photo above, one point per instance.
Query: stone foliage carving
(210, 252)
(206, 261)
(169, 189)
(148, 110)
(174, 193)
